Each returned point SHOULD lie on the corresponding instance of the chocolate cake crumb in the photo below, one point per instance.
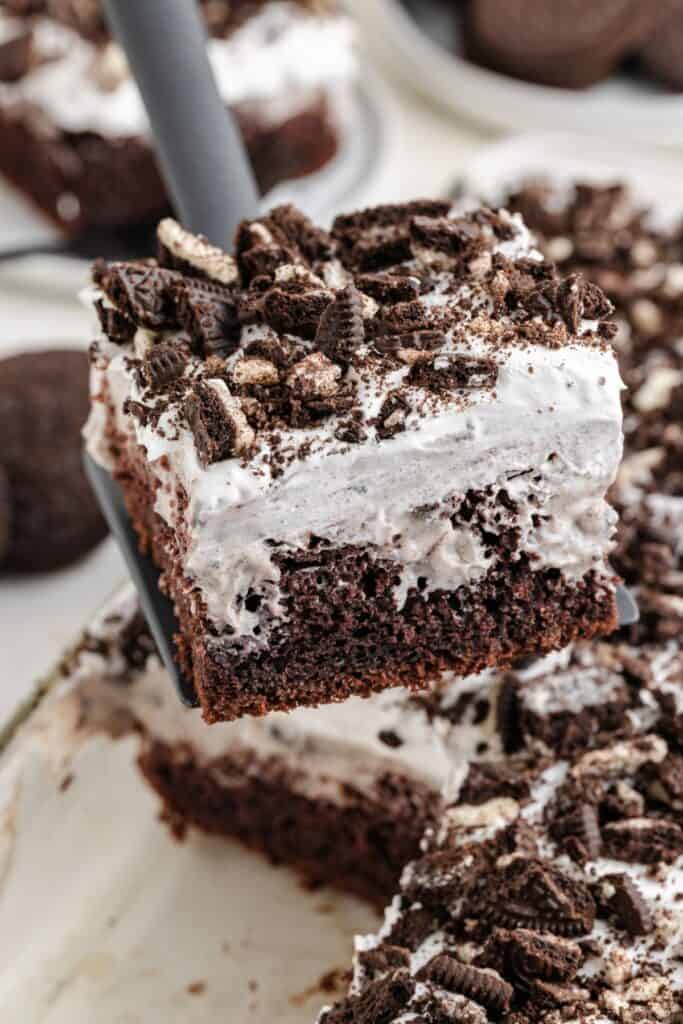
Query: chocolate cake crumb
(389, 288)
(392, 415)
(643, 840)
(118, 327)
(298, 313)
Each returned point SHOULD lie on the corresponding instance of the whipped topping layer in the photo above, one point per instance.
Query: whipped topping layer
(450, 393)
(277, 61)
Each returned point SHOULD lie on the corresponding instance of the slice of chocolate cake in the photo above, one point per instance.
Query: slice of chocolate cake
(361, 457)
(74, 135)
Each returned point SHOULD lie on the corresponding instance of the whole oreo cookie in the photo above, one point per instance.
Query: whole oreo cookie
(48, 514)
(662, 55)
(5, 515)
(571, 44)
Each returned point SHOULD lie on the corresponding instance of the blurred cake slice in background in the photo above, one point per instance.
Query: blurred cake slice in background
(74, 135)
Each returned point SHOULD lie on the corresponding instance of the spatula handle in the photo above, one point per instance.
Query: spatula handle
(200, 149)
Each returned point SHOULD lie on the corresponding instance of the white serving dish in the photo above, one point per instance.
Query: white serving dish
(624, 106)
(105, 917)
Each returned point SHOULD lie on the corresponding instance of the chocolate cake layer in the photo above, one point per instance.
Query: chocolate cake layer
(360, 846)
(73, 132)
(116, 184)
(361, 457)
(331, 618)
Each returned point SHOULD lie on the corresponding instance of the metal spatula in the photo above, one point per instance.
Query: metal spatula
(208, 176)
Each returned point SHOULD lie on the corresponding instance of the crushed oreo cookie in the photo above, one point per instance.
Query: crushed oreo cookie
(217, 422)
(340, 331)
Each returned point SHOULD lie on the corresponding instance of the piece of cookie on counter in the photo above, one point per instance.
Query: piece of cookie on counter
(48, 514)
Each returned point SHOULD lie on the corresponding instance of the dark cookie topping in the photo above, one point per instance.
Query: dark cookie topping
(497, 914)
(386, 303)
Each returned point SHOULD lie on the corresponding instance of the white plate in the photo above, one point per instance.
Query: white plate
(105, 917)
(623, 106)
(354, 178)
